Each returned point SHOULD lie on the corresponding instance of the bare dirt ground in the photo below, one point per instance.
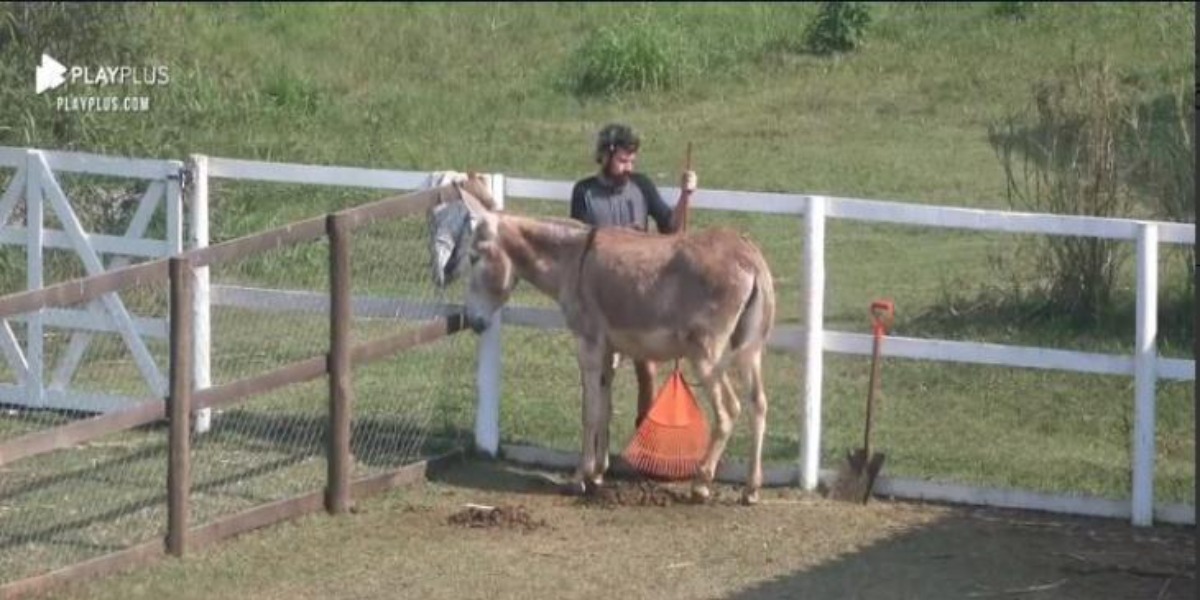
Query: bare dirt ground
(490, 530)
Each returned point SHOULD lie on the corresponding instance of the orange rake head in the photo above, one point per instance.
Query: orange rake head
(672, 440)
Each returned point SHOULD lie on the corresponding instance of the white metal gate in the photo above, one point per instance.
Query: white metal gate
(36, 184)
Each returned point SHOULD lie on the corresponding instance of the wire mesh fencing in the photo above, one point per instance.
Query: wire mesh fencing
(266, 311)
(83, 502)
(272, 311)
(95, 494)
(417, 403)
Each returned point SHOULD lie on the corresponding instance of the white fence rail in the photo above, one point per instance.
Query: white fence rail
(812, 339)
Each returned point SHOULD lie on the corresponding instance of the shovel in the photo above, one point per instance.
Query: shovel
(857, 477)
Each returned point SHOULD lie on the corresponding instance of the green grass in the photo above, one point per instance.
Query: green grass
(425, 87)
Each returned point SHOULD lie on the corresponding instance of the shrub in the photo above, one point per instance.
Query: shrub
(1011, 9)
(1170, 157)
(839, 27)
(1162, 152)
(1070, 165)
(639, 54)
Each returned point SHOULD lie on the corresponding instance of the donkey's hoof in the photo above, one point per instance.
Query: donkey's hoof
(574, 488)
(749, 497)
(700, 493)
(592, 486)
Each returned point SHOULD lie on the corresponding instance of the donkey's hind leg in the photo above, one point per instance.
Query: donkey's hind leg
(605, 413)
(752, 369)
(732, 402)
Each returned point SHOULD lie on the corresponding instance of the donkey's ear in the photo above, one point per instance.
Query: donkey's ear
(478, 185)
(473, 204)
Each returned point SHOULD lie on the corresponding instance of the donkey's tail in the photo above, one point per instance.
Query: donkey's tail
(755, 322)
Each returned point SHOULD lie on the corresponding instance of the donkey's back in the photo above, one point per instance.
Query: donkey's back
(661, 297)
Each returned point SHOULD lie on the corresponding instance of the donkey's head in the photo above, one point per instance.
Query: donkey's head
(492, 277)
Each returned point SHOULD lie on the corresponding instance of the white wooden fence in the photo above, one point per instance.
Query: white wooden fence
(812, 340)
(34, 181)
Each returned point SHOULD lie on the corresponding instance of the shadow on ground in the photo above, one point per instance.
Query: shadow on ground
(1001, 555)
(797, 545)
(468, 471)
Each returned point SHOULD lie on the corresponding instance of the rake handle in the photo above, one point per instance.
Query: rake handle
(687, 166)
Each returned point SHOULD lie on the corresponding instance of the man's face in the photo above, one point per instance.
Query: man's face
(620, 165)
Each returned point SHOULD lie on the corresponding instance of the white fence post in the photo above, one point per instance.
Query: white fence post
(201, 334)
(488, 377)
(34, 228)
(173, 204)
(1145, 374)
(814, 339)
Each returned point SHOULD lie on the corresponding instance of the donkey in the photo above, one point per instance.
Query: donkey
(706, 297)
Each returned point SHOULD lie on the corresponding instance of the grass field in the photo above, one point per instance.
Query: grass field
(425, 87)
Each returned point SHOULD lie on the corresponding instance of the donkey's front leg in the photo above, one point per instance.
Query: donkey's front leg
(591, 368)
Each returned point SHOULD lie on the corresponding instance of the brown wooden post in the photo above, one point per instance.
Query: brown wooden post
(341, 392)
(178, 406)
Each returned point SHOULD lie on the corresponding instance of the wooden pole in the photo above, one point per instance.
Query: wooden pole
(683, 218)
(341, 392)
(179, 404)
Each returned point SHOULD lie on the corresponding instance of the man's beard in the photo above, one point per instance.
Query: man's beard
(617, 178)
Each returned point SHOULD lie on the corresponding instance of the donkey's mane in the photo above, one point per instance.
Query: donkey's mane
(557, 227)
(560, 221)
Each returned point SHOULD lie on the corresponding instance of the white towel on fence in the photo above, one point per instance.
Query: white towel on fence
(449, 229)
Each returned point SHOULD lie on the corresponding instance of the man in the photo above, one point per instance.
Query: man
(619, 196)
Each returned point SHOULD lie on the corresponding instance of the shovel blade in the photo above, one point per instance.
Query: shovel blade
(852, 478)
(856, 480)
(857, 460)
(873, 469)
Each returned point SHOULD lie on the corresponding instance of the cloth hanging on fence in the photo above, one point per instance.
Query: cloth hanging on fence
(449, 230)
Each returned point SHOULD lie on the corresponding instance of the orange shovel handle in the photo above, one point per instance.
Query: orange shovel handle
(883, 315)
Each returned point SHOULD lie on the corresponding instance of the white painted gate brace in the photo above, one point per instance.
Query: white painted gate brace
(35, 177)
